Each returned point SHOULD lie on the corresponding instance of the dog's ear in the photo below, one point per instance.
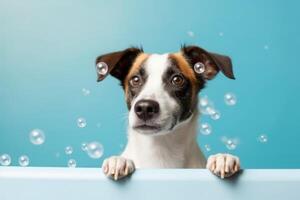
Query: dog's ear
(211, 63)
(116, 63)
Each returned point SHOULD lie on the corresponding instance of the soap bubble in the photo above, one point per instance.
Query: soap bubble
(5, 160)
(230, 144)
(205, 105)
(81, 122)
(85, 92)
(207, 147)
(204, 101)
(102, 68)
(23, 161)
(191, 33)
(84, 146)
(205, 128)
(221, 34)
(263, 138)
(37, 137)
(95, 150)
(68, 150)
(72, 163)
(230, 99)
(199, 67)
(214, 114)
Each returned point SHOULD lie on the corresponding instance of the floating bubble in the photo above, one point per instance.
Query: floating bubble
(199, 67)
(204, 101)
(57, 154)
(207, 147)
(23, 161)
(102, 68)
(205, 128)
(230, 144)
(85, 92)
(5, 160)
(81, 122)
(230, 99)
(206, 106)
(37, 137)
(263, 138)
(221, 34)
(95, 150)
(84, 146)
(72, 163)
(214, 114)
(191, 33)
(68, 150)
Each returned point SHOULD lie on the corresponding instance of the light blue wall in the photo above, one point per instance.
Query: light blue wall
(47, 52)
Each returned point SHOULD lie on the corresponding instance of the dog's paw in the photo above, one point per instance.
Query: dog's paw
(223, 165)
(117, 167)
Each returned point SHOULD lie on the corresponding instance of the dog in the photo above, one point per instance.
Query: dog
(161, 92)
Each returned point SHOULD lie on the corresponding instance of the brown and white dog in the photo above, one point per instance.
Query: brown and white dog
(161, 92)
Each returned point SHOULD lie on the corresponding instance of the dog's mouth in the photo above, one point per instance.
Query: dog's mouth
(151, 127)
(147, 128)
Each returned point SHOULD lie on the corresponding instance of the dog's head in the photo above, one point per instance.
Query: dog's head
(161, 89)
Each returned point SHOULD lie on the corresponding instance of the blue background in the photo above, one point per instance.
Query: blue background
(47, 53)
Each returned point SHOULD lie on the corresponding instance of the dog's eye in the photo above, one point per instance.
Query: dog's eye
(178, 80)
(135, 81)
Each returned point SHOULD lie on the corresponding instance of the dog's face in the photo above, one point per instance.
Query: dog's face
(161, 90)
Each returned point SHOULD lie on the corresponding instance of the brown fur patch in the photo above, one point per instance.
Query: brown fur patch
(135, 68)
(186, 70)
(184, 66)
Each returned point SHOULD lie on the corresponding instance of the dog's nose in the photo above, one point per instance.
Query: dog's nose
(146, 109)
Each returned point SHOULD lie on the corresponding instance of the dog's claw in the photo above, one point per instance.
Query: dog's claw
(223, 165)
(117, 167)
